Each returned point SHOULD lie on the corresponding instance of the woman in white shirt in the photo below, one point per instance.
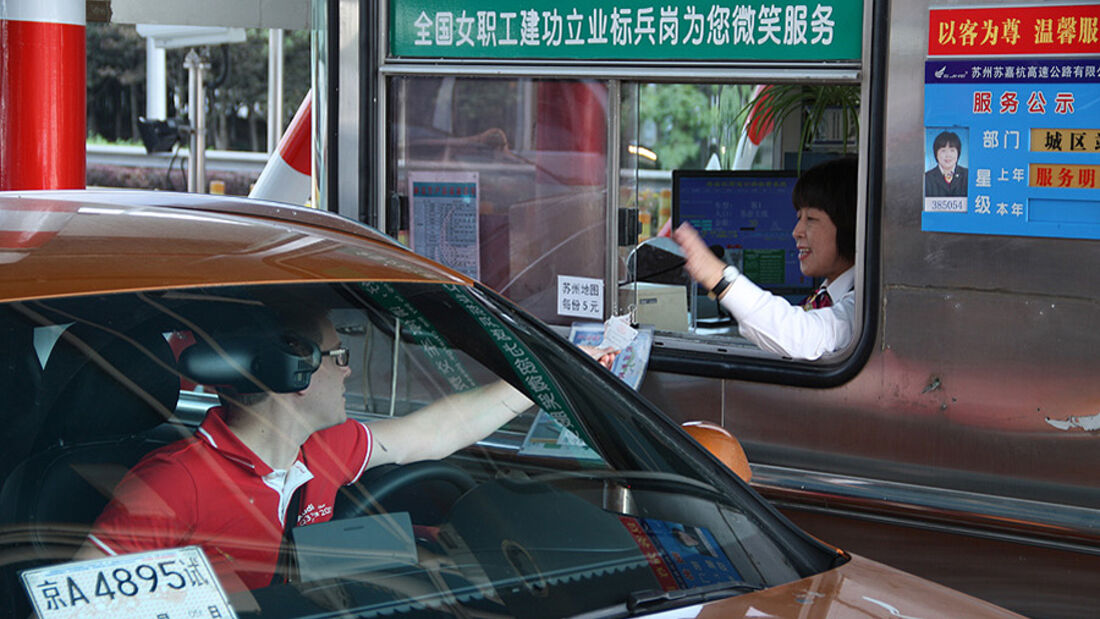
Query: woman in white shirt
(825, 198)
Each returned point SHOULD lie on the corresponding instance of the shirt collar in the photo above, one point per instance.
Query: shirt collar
(218, 435)
(844, 283)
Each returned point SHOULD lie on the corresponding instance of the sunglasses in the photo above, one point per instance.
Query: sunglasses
(340, 356)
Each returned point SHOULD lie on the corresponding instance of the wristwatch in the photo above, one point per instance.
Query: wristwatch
(729, 275)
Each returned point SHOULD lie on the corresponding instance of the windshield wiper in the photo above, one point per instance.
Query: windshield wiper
(644, 600)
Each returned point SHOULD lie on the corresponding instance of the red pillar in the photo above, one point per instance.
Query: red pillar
(42, 94)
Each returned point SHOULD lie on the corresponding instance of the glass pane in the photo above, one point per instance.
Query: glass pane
(529, 158)
(745, 141)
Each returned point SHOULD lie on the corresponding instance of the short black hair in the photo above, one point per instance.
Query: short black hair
(946, 138)
(832, 187)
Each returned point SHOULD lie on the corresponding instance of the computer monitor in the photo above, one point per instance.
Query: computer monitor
(746, 217)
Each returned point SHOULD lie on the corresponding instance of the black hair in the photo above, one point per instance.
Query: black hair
(302, 321)
(832, 187)
(946, 138)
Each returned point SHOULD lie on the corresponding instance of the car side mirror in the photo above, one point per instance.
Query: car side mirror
(721, 444)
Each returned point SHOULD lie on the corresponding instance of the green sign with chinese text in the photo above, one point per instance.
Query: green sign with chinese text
(627, 30)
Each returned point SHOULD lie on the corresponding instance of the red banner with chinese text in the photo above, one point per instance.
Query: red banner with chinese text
(651, 552)
(1072, 29)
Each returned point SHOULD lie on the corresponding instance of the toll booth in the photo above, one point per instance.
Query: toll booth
(541, 147)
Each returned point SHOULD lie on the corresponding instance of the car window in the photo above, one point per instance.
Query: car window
(586, 500)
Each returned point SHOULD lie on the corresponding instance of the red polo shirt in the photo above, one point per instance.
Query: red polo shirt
(212, 490)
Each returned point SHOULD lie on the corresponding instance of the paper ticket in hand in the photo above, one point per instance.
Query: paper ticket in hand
(617, 333)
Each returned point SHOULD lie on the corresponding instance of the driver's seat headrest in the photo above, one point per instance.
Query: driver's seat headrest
(99, 383)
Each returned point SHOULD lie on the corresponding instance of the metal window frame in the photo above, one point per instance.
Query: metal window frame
(671, 354)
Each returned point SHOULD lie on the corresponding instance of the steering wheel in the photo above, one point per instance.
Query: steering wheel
(391, 481)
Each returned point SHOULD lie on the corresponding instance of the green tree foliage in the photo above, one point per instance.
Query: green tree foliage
(296, 71)
(236, 85)
(116, 80)
(680, 112)
(692, 121)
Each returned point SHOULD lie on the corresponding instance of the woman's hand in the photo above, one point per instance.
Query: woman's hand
(605, 356)
(700, 262)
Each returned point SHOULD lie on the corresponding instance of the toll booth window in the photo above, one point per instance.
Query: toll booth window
(504, 180)
(713, 156)
(513, 182)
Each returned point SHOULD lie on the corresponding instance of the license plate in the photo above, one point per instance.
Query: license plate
(174, 583)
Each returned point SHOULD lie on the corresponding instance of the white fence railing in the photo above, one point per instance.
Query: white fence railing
(135, 156)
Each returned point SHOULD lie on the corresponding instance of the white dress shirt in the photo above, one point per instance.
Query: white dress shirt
(773, 324)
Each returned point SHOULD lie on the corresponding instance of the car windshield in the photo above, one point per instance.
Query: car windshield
(588, 501)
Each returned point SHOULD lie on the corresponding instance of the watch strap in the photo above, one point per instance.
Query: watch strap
(729, 274)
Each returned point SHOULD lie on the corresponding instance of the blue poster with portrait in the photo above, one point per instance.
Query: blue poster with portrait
(1012, 147)
(691, 554)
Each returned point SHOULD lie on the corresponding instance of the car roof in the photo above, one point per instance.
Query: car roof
(60, 243)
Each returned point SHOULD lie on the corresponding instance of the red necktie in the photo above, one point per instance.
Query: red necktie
(818, 300)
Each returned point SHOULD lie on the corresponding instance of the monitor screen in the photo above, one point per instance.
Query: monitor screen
(746, 217)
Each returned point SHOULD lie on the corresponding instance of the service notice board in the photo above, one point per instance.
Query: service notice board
(443, 219)
(1012, 121)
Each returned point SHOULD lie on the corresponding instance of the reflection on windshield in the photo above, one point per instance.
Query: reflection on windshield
(582, 501)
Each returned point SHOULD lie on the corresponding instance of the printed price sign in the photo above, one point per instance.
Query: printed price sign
(580, 296)
(161, 584)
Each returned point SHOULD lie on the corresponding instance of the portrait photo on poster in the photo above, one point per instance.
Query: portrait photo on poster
(946, 176)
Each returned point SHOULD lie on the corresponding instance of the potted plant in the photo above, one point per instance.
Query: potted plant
(771, 105)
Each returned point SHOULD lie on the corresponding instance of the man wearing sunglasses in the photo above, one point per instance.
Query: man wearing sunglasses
(279, 447)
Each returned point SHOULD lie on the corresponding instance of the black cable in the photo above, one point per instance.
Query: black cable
(183, 172)
(172, 162)
(224, 73)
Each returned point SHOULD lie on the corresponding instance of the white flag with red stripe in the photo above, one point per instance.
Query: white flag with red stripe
(286, 177)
